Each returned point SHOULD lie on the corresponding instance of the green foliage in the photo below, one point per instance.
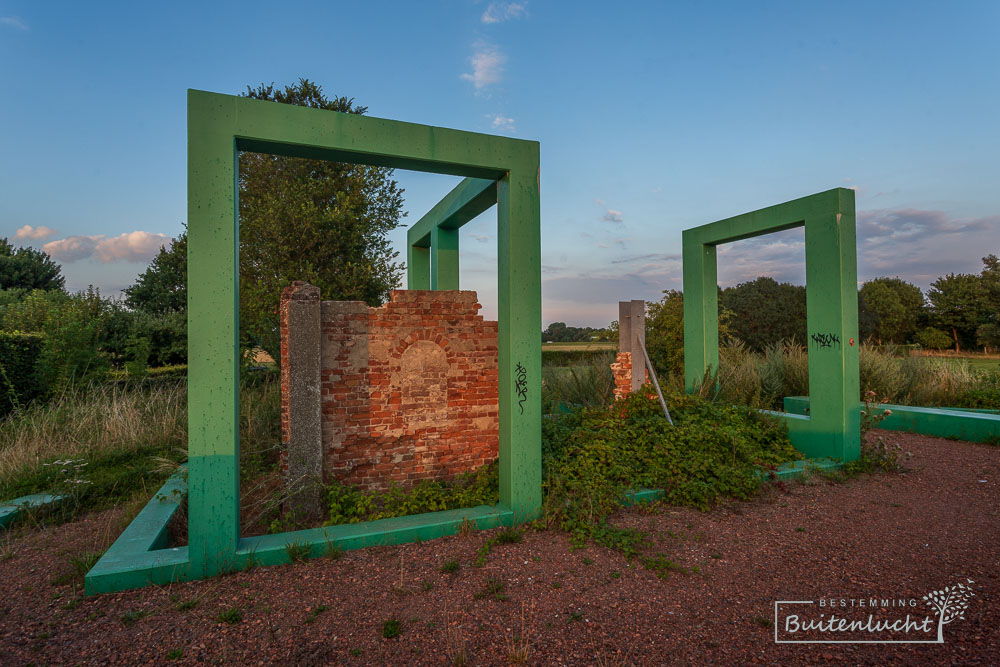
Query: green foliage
(933, 339)
(322, 222)
(888, 309)
(232, 616)
(392, 628)
(713, 452)
(765, 312)
(162, 288)
(297, 553)
(19, 378)
(503, 536)
(349, 504)
(558, 332)
(588, 383)
(958, 304)
(665, 333)
(450, 567)
(27, 268)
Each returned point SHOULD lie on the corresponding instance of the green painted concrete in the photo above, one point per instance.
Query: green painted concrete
(12, 510)
(498, 170)
(833, 430)
(139, 557)
(941, 422)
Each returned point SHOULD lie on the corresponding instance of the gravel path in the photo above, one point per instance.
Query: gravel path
(899, 536)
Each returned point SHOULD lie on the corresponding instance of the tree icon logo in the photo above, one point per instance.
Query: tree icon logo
(950, 603)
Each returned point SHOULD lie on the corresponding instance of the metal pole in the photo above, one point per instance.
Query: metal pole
(656, 385)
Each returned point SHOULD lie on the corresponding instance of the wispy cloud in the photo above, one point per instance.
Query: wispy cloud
(610, 214)
(487, 65)
(498, 12)
(136, 246)
(34, 233)
(14, 22)
(502, 123)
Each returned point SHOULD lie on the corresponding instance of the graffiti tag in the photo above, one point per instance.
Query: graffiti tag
(826, 340)
(521, 385)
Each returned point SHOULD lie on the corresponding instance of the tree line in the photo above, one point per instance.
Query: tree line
(313, 220)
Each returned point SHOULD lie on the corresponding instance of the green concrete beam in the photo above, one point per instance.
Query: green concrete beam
(974, 426)
(833, 430)
(435, 235)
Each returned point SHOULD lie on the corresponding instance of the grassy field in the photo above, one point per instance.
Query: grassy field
(586, 346)
(975, 363)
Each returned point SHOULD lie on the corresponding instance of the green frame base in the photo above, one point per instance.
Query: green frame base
(12, 510)
(961, 424)
(140, 557)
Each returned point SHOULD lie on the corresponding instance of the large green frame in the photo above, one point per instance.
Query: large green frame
(833, 428)
(219, 127)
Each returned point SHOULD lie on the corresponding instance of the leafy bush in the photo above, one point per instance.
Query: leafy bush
(349, 504)
(712, 452)
(19, 379)
(933, 339)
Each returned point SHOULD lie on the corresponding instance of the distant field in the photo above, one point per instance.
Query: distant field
(976, 363)
(587, 346)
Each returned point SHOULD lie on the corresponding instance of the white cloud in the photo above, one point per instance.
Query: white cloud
(502, 123)
(487, 66)
(136, 246)
(29, 232)
(610, 214)
(14, 22)
(498, 12)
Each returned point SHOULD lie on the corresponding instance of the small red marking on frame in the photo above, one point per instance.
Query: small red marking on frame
(851, 342)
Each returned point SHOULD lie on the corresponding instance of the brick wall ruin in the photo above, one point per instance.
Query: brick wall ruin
(405, 392)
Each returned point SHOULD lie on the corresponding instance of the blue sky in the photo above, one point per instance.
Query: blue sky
(652, 117)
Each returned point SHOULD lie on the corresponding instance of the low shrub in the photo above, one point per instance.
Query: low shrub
(20, 382)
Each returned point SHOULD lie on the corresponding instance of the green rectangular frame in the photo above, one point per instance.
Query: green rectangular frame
(833, 428)
(499, 170)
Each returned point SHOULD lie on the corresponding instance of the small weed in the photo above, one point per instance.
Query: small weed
(355, 652)
(556, 584)
(493, 588)
(661, 566)
(800, 529)
(297, 553)
(451, 567)
(233, 615)
(186, 605)
(509, 536)
(762, 621)
(588, 561)
(129, 618)
(615, 574)
(895, 505)
(427, 585)
(74, 602)
(175, 654)
(319, 609)
(575, 616)
(334, 551)
(716, 556)
(391, 628)
(519, 646)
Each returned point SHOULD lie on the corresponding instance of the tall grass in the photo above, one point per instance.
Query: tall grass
(763, 380)
(121, 430)
(588, 382)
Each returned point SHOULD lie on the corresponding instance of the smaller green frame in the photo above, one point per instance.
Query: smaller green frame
(833, 429)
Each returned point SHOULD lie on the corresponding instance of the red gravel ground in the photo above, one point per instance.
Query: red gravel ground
(898, 536)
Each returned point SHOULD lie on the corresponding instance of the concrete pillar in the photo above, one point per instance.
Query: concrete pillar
(300, 330)
(637, 335)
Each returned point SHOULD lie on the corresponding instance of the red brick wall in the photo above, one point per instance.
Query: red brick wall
(409, 390)
(622, 371)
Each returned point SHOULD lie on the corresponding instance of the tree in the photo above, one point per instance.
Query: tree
(932, 339)
(322, 222)
(888, 309)
(765, 312)
(162, 288)
(28, 269)
(665, 333)
(958, 302)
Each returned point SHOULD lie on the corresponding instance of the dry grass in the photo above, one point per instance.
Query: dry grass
(93, 420)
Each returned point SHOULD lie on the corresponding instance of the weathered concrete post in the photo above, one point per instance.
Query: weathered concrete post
(300, 409)
(637, 339)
